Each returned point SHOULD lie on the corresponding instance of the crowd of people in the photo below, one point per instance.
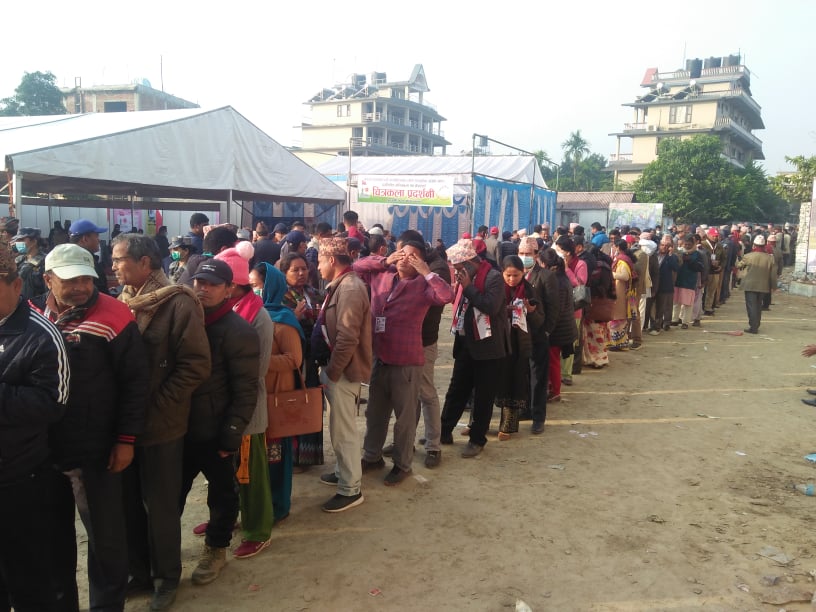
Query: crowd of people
(115, 398)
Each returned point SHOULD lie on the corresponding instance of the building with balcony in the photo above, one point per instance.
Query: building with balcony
(119, 98)
(711, 96)
(372, 116)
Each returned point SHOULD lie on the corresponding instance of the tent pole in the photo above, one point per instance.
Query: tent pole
(132, 218)
(472, 204)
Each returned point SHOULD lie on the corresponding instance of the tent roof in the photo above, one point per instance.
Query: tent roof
(189, 153)
(515, 168)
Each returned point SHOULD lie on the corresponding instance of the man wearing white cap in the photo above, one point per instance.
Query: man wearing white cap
(93, 443)
(759, 279)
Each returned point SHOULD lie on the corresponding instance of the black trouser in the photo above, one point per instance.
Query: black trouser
(152, 486)
(766, 301)
(539, 379)
(663, 310)
(753, 304)
(97, 494)
(222, 488)
(481, 376)
(31, 515)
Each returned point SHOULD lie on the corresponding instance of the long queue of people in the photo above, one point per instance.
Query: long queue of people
(112, 404)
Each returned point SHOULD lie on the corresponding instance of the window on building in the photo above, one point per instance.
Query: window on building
(344, 110)
(680, 114)
(115, 107)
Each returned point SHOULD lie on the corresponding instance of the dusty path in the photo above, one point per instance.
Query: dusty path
(659, 484)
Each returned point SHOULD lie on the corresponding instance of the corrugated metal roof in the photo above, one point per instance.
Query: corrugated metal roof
(592, 200)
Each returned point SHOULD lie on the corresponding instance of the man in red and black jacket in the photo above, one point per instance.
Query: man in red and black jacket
(93, 443)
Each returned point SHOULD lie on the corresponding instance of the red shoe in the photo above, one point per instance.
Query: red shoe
(249, 549)
(201, 529)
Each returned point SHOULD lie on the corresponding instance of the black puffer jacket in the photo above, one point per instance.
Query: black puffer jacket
(109, 383)
(565, 331)
(34, 378)
(222, 406)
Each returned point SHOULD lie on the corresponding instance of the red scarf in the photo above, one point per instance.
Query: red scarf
(512, 293)
(247, 306)
(216, 314)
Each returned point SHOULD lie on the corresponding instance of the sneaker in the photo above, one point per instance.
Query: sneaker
(538, 427)
(249, 549)
(330, 479)
(471, 450)
(696, 323)
(433, 459)
(396, 476)
(708, 313)
(635, 346)
(748, 330)
(338, 503)
(446, 438)
(370, 466)
(654, 332)
(684, 326)
(164, 596)
(209, 566)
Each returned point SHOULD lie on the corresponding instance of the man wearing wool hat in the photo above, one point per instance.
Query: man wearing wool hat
(759, 279)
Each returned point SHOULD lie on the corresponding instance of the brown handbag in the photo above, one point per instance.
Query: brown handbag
(295, 412)
(600, 310)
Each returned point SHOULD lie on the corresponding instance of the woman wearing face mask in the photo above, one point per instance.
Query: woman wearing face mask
(576, 271)
(305, 301)
(523, 314)
(179, 254)
(30, 261)
(287, 356)
(563, 335)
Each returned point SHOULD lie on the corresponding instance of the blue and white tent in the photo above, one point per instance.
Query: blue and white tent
(506, 191)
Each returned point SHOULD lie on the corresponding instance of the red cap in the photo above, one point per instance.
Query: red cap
(494, 230)
(630, 239)
(467, 235)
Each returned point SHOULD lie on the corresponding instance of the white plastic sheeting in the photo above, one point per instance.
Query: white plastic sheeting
(190, 153)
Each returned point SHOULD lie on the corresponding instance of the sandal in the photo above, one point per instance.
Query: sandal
(503, 437)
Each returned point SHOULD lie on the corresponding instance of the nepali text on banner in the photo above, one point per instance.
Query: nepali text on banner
(411, 190)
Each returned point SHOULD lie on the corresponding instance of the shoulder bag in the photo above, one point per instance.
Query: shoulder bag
(296, 412)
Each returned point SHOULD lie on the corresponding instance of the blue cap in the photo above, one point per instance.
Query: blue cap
(83, 226)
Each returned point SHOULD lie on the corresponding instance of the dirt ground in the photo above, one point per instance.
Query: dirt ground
(662, 482)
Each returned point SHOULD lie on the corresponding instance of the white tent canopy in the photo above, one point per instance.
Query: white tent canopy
(192, 153)
(513, 168)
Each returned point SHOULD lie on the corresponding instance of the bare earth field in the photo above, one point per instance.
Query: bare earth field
(662, 482)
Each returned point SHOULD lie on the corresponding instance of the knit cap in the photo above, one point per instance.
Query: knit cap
(237, 258)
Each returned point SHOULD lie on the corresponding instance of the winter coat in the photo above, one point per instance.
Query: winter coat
(564, 332)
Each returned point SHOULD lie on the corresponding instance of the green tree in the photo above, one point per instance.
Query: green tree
(575, 148)
(548, 170)
(692, 179)
(37, 94)
(797, 187)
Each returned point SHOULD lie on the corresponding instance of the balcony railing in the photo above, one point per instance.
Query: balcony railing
(372, 117)
(620, 158)
(634, 127)
(727, 122)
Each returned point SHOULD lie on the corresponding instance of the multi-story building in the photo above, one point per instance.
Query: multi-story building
(711, 96)
(119, 99)
(371, 115)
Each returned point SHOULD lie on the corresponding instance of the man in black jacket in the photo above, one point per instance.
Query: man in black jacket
(93, 443)
(34, 377)
(220, 411)
(482, 341)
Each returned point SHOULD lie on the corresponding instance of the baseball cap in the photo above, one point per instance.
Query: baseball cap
(494, 230)
(84, 226)
(295, 237)
(26, 232)
(214, 271)
(280, 228)
(712, 232)
(69, 261)
(181, 241)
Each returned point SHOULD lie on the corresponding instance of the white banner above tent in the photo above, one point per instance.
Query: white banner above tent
(412, 190)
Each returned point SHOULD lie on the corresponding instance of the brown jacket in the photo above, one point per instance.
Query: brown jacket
(760, 272)
(171, 320)
(348, 325)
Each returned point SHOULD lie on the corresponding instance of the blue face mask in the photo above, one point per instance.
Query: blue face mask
(21, 247)
(527, 261)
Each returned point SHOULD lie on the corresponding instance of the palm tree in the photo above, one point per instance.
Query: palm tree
(575, 147)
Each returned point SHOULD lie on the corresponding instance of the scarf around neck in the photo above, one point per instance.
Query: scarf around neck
(273, 291)
(146, 301)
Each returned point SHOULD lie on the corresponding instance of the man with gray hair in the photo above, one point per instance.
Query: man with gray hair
(171, 321)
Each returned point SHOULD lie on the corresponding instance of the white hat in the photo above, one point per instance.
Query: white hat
(759, 240)
(69, 261)
(375, 231)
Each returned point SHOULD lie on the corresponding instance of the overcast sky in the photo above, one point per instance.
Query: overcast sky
(525, 73)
